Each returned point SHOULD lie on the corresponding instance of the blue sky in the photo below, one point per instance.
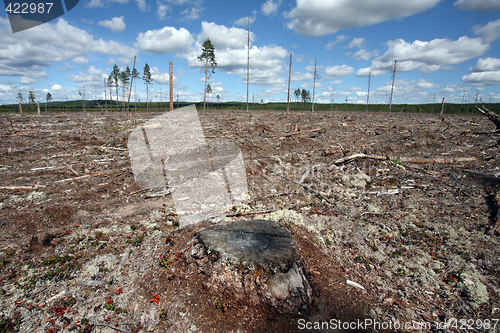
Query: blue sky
(443, 48)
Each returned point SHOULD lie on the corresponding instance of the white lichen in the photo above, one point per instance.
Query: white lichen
(36, 196)
(472, 288)
(286, 216)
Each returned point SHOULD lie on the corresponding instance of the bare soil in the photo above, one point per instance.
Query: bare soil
(400, 240)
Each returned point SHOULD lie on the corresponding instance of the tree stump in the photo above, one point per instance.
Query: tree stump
(253, 262)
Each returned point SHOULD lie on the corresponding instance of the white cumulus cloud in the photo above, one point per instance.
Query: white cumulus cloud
(356, 43)
(162, 11)
(243, 21)
(230, 44)
(165, 40)
(364, 55)
(485, 72)
(116, 24)
(322, 17)
(490, 31)
(478, 5)
(270, 7)
(333, 72)
(223, 37)
(426, 57)
(337, 40)
(436, 52)
(489, 78)
(27, 52)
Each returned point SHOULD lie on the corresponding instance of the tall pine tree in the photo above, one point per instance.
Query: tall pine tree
(208, 57)
(148, 80)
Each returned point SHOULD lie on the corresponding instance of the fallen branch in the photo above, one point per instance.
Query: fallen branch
(298, 132)
(356, 156)
(304, 176)
(271, 196)
(23, 149)
(5, 166)
(115, 328)
(161, 193)
(251, 213)
(454, 177)
(436, 160)
(45, 168)
(380, 224)
(47, 302)
(71, 169)
(68, 179)
(307, 188)
(32, 187)
(114, 148)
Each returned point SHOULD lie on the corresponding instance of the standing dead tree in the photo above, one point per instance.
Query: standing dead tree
(491, 116)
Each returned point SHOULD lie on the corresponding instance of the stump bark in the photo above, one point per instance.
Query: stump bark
(253, 261)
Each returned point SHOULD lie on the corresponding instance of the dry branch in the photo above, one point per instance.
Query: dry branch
(45, 168)
(71, 169)
(114, 148)
(298, 132)
(356, 156)
(307, 188)
(251, 213)
(454, 177)
(112, 327)
(75, 178)
(32, 187)
(24, 149)
(436, 160)
(272, 196)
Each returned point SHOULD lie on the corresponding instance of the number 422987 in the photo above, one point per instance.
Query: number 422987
(28, 8)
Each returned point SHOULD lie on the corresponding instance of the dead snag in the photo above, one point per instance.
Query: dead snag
(491, 116)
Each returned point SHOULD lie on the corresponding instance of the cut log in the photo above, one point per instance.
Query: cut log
(483, 179)
(253, 262)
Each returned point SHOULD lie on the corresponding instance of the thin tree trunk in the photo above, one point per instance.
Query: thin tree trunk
(117, 99)
(205, 92)
(111, 97)
(147, 97)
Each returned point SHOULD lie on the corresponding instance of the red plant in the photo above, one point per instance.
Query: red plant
(155, 299)
(119, 290)
(109, 300)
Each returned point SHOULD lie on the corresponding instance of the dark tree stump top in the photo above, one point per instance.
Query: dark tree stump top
(251, 243)
(255, 262)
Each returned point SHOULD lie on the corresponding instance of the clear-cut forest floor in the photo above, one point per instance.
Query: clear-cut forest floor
(83, 249)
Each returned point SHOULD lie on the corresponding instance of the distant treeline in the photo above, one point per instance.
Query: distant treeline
(102, 105)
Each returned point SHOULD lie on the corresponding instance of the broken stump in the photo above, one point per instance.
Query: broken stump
(253, 261)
